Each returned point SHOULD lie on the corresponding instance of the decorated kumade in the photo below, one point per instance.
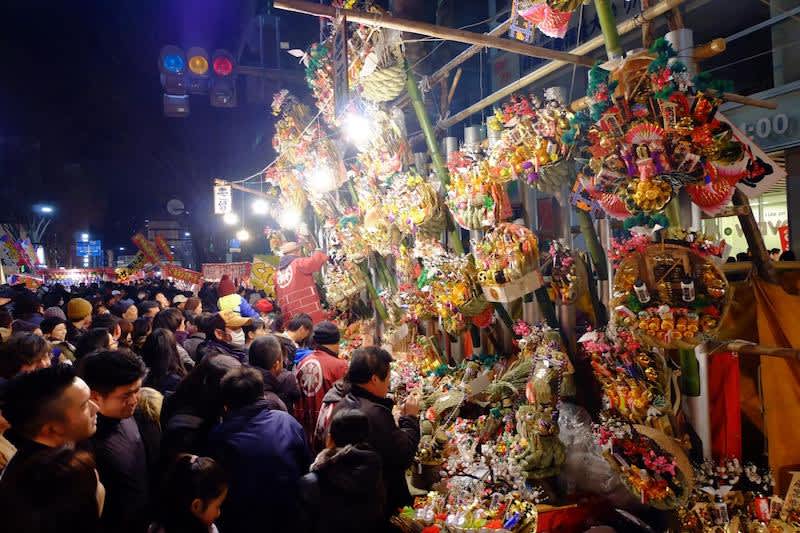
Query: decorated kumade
(652, 466)
(507, 260)
(531, 146)
(414, 205)
(652, 130)
(343, 283)
(475, 199)
(551, 17)
(669, 294)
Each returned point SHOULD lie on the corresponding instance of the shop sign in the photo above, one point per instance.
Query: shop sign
(341, 89)
(771, 129)
(223, 199)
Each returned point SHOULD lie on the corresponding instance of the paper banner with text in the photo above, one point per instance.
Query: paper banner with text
(149, 249)
(163, 247)
(236, 271)
(188, 277)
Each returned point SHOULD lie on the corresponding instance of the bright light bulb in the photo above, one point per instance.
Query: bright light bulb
(230, 218)
(243, 235)
(321, 180)
(290, 218)
(260, 207)
(357, 128)
(47, 209)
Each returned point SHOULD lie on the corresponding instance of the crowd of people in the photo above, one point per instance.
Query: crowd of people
(143, 409)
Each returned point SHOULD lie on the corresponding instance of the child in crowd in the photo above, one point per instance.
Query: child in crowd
(344, 492)
(192, 495)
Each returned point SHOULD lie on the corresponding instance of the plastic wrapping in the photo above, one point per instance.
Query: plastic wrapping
(585, 470)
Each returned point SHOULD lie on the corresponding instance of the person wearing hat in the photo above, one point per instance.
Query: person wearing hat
(79, 314)
(295, 289)
(54, 330)
(224, 336)
(179, 301)
(126, 309)
(317, 373)
(230, 300)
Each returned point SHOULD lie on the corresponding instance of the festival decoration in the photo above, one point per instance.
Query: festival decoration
(147, 248)
(262, 277)
(670, 294)
(475, 198)
(531, 146)
(651, 465)
(652, 130)
(551, 17)
(414, 205)
(507, 262)
(343, 283)
(184, 275)
(164, 248)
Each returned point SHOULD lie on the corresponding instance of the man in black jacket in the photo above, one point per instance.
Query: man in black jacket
(115, 379)
(47, 408)
(396, 443)
(280, 386)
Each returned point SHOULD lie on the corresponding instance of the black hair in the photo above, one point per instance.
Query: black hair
(49, 324)
(91, 341)
(368, 362)
(300, 321)
(210, 324)
(188, 478)
(141, 329)
(145, 305)
(265, 351)
(170, 318)
(255, 323)
(349, 427)
(32, 399)
(774, 251)
(199, 392)
(160, 354)
(21, 349)
(5, 318)
(106, 321)
(241, 387)
(105, 371)
(25, 304)
(742, 257)
(277, 323)
(63, 471)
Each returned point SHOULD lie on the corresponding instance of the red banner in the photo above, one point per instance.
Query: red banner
(147, 248)
(236, 271)
(164, 248)
(181, 274)
(783, 233)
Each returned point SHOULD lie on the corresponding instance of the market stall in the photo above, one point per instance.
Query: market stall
(551, 404)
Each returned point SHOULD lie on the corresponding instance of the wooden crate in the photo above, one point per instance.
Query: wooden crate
(513, 290)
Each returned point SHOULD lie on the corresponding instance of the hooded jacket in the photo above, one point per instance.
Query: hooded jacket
(265, 454)
(344, 491)
(295, 288)
(396, 443)
(283, 387)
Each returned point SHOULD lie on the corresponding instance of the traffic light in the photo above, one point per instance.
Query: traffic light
(172, 65)
(222, 90)
(198, 70)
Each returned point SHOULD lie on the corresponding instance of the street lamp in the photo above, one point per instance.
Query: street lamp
(46, 209)
(230, 218)
(243, 235)
(187, 234)
(85, 237)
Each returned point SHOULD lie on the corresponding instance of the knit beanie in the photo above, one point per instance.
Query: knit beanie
(55, 312)
(326, 333)
(225, 286)
(78, 309)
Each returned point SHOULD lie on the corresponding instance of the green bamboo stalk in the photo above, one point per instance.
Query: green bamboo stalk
(596, 251)
(373, 293)
(439, 165)
(609, 27)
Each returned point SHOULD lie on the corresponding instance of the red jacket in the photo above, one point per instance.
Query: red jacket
(295, 289)
(316, 374)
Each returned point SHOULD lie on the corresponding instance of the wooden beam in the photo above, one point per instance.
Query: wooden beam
(729, 211)
(746, 100)
(592, 44)
(432, 30)
(746, 348)
(442, 73)
(243, 189)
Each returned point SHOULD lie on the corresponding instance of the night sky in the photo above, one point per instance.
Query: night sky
(81, 79)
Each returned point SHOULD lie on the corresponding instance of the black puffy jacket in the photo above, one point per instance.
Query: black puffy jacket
(344, 492)
(395, 443)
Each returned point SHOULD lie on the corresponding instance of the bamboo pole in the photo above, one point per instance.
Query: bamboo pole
(755, 241)
(431, 30)
(592, 44)
(608, 27)
(746, 100)
(445, 70)
(433, 147)
(593, 245)
(746, 348)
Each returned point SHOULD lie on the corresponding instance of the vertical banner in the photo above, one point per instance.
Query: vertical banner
(223, 199)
